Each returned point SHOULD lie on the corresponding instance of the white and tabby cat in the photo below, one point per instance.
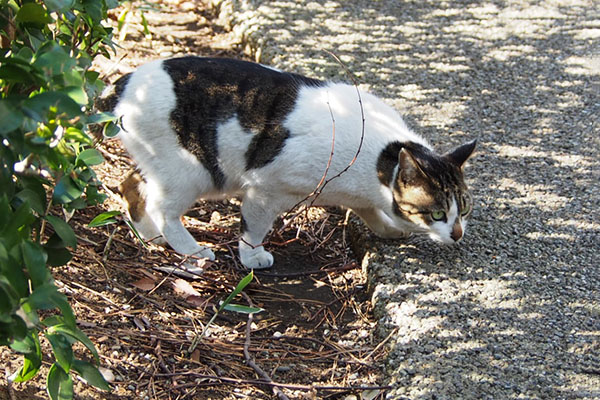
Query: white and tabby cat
(209, 128)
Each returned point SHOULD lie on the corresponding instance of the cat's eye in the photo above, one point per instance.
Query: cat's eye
(438, 215)
(466, 210)
(466, 206)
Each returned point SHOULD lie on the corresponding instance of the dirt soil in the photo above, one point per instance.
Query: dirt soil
(315, 338)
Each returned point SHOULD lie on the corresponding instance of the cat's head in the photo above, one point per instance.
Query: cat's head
(430, 192)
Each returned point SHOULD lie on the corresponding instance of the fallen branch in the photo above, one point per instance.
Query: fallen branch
(250, 362)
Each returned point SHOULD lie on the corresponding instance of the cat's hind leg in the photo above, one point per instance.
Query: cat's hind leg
(133, 191)
(165, 208)
(380, 224)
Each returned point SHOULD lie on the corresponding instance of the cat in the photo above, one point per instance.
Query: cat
(210, 128)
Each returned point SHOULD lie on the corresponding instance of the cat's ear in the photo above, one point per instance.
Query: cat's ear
(459, 155)
(410, 170)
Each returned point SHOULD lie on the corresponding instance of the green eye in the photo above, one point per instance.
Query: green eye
(438, 215)
(466, 210)
(466, 206)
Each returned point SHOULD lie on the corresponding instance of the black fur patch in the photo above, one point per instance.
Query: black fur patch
(387, 162)
(109, 102)
(210, 91)
(435, 167)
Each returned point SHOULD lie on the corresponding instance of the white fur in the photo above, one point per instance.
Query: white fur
(175, 178)
(441, 231)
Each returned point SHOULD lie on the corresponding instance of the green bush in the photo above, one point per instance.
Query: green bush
(46, 155)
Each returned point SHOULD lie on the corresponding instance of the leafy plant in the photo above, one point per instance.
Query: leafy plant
(227, 305)
(46, 160)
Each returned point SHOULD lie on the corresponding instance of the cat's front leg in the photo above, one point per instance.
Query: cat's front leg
(258, 213)
(380, 223)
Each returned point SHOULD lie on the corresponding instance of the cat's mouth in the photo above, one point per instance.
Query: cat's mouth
(443, 239)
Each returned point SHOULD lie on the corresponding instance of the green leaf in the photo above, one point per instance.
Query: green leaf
(94, 9)
(41, 297)
(10, 296)
(53, 59)
(41, 103)
(25, 55)
(76, 334)
(63, 230)
(48, 297)
(33, 13)
(27, 344)
(36, 202)
(15, 73)
(77, 94)
(11, 275)
(59, 5)
(7, 302)
(111, 129)
(66, 191)
(78, 136)
(106, 218)
(145, 25)
(11, 117)
(93, 196)
(56, 250)
(58, 257)
(15, 329)
(136, 233)
(35, 260)
(238, 289)
(53, 320)
(62, 350)
(91, 76)
(91, 374)
(22, 217)
(238, 308)
(90, 157)
(121, 19)
(74, 78)
(59, 384)
(31, 362)
(101, 117)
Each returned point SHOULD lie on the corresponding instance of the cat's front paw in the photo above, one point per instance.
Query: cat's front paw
(256, 258)
(205, 253)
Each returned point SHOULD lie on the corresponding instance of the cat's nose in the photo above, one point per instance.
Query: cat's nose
(457, 232)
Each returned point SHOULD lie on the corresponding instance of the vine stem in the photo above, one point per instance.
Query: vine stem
(324, 181)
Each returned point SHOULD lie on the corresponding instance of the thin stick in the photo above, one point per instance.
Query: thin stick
(325, 271)
(380, 345)
(250, 362)
(108, 243)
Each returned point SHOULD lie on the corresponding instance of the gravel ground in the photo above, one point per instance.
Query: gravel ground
(514, 311)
